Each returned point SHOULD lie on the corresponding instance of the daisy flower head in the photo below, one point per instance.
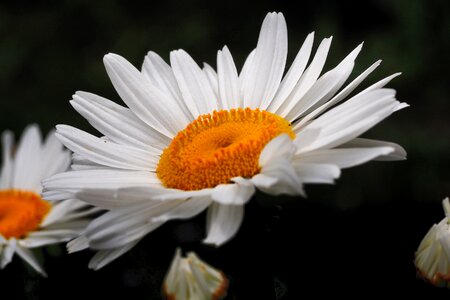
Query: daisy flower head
(433, 255)
(195, 138)
(26, 219)
(190, 278)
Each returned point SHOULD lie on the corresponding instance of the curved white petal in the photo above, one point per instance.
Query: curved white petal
(194, 86)
(160, 76)
(104, 257)
(118, 123)
(347, 121)
(7, 251)
(222, 223)
(339, 97)
(211, 75)
(293, 75)
(150, 105)
(78, 244)
(185, 210)
(61, 209)
(228, 80)
(49, 237)
(280, 147)
(99, 179)
(398, 153)
(307, 79)
(119, 227)
(27, 161)
(7, 166)
(316, 173)
(344, 157)
(279, 177)
(237, 193)
(104, 152)
(325, 87)
(267, 66)
(54, 157)
(29, 257)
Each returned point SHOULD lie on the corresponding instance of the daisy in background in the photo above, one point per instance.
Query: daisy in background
(195, 138)
(26, 219)
(433, 255)
(190, 278)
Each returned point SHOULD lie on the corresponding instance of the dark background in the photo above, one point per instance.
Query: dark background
(356, 238)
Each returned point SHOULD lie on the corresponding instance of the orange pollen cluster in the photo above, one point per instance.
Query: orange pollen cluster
(21, 212)
(219, 146)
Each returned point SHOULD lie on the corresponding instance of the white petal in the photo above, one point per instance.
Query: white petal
(78, 244)
(160, 76)
(55, 158)
(294, 74)
(339, 97)
(281, 176)
(107, 199)
(29, 257)
(308, 78)
(325, 87)
(222, 223)
(211, 75)
(27, 162)
(150, 105)
(268, 64)
(344, 157)
(281, 146)
(119, 227)
(104, 152)
(56, 195)
(99, 179)
(237, 193)
(48, 237)
(74, 220)
(245, 73)
(7, 252)
(194, 86)
(7, 166)
(118, 123)
(61, 209)
(316, 173)
(117, 198)
(399, 152)
(347, 121)
(104, 257)
(228, 80)
(379, 84)
(186, 210)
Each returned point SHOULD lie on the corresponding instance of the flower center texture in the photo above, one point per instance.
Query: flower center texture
(219, 146)
(21, 212)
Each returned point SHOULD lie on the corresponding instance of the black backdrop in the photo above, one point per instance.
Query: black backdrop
(356, 238)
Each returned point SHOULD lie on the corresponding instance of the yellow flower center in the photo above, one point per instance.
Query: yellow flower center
(219, 146)
(21, 212)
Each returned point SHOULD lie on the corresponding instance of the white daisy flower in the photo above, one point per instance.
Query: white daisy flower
(26, 219)
(190, 278)
(193, 139)
(433, 255)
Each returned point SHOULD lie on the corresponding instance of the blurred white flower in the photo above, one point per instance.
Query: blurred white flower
(26, 219)
(433, 255)
(190, 278)
(193, 139)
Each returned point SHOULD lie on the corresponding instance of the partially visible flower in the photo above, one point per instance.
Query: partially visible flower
(433, 255)
(26, 219)
(190, 278)
(193, 139)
